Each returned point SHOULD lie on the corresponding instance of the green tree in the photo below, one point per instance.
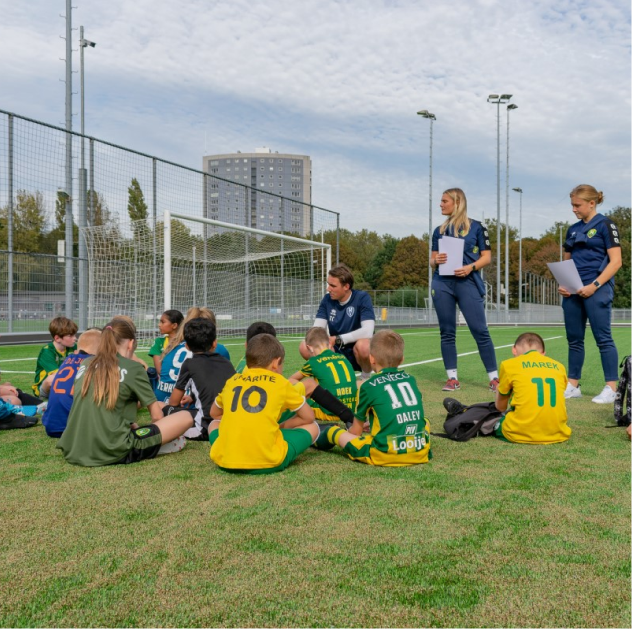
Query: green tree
(408, 267)
(622, 219)
(29, 222)
(375, 269)
(137, 209)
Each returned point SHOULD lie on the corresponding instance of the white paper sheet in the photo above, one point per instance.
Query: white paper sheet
(566, 275)
(453, 247)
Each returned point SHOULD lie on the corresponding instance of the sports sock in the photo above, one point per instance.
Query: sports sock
(492, 375)
(333, 433)
(451, 374)
(331, 403)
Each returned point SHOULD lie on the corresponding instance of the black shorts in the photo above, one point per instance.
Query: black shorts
(147, 443)
(348, 352)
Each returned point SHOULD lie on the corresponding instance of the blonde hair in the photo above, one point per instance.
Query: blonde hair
(89, 341)
(193, 313)
(458, 219)
(387, 348)
(317, 336)
(587, 193)
(104, 368)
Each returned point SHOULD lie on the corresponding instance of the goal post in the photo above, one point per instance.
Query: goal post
(242, 274)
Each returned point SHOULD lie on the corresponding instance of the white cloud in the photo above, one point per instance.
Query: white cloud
(342, 81)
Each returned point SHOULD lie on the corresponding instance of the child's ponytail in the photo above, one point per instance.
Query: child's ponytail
(104, 368)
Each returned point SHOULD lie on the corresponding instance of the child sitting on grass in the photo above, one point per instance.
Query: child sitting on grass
(391, 401)
(102, 427)
(256, 328)
(62, 389)
(245, 435)
(534, 386)
(51, 356)
(331, 370)
(204, 375)
(169, 325)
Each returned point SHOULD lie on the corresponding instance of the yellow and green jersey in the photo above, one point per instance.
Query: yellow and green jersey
(400, 434)
(335, 374)
(537, 409)
(249, 433)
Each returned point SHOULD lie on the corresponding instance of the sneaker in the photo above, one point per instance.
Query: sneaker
(453, 406)
(572, 392)
(607, 396)
(493, 385)
(451, 385)
(18, 421)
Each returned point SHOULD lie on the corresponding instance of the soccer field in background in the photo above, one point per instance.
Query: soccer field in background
(489, 534)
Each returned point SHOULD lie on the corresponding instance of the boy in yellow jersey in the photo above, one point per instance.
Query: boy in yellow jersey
(331, 370)
(391, 402)
(533, 386)
(245, 434)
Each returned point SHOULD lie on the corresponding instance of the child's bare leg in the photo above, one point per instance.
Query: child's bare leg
(174, 426)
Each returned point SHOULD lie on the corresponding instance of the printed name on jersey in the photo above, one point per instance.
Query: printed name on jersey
(350, 311)
(408, 416)
(406, 443)
(388, 378)
(166, 387)
(540, 364)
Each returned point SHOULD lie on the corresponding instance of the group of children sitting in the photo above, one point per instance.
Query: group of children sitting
(256, 420)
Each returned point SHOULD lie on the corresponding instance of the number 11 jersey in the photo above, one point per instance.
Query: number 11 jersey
(537, 409)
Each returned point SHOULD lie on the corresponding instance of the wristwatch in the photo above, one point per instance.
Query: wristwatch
(474, 267)
(597, 283)
(339, 341)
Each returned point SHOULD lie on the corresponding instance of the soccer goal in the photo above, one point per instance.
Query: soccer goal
(243, 274)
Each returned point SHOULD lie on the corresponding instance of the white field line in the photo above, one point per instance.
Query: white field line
(465, 354)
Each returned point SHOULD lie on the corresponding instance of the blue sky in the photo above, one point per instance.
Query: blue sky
(342, 81)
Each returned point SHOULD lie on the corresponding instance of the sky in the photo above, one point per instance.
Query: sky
(341, 81)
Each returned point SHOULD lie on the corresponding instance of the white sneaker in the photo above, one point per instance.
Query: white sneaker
(607, 396)
(572, 392)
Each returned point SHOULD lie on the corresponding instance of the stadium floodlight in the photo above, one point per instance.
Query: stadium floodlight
(509, 108)
(497, 100)
(431, 117)
(519, 191)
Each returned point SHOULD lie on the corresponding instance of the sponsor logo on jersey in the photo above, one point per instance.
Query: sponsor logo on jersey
(462, 233)
(332, 315)
(350, 311)
(432, 293)
(591, 233)
(475, 249)
(406, 443)
(142, 431)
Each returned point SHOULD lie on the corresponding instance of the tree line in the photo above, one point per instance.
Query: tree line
(379, 261)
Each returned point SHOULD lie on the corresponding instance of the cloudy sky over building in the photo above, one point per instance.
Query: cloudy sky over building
(342, 81)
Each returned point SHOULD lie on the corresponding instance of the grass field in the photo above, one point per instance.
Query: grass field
(489, 534)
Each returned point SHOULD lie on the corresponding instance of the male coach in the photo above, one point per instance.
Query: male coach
(350, 318)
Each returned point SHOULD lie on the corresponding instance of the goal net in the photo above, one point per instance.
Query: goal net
(242, 274)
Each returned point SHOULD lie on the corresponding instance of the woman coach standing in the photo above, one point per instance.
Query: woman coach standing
(593, 244)
(464, 288)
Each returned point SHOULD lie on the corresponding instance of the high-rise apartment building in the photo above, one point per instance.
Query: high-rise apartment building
(265, 190)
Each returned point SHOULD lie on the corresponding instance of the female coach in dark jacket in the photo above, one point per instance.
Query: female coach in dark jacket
(465, 287)
(593, 244)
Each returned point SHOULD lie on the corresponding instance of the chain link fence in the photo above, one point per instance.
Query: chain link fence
(47, 173)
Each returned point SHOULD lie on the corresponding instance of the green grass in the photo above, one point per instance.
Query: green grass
(489, 534)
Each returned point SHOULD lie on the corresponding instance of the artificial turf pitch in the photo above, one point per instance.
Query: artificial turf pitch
(489, 534)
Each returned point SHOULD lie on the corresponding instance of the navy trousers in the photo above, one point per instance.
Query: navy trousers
(597, 309)
(446, 294)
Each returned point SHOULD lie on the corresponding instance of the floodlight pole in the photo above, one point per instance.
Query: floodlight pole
(69, 293)
(519, 191)
(498, 100)
(509, 108)
(426, 114)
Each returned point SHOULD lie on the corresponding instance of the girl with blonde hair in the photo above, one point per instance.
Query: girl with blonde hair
(102, 427)
(464, 287)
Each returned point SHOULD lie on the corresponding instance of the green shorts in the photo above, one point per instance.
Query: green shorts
(298, 440)
(498, 429)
